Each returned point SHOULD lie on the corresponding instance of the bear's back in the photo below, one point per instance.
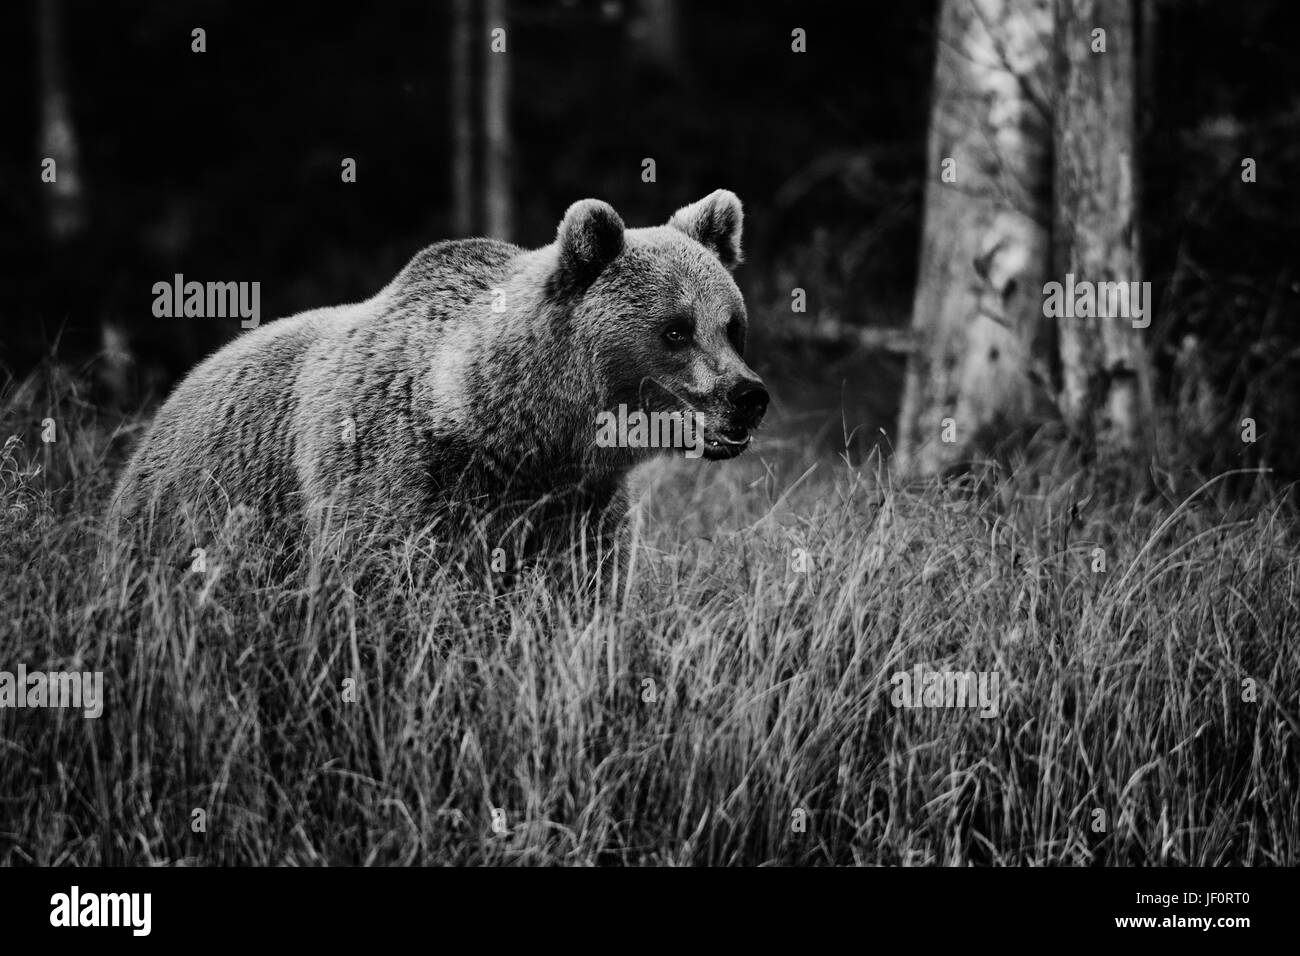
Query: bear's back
(443, 280)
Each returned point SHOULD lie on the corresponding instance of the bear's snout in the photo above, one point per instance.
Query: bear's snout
(745, 403)
(749, 398)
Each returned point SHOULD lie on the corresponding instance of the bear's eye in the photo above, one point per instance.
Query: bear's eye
(678, 333)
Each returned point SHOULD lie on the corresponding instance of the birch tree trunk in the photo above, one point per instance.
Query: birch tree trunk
(985, 239)
(1105, 395)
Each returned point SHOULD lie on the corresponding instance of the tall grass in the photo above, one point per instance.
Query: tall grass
(733, 706)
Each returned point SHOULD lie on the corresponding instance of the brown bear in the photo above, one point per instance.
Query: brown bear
(463, 397)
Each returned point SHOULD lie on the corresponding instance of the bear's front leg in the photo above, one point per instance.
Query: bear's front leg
(606, 547)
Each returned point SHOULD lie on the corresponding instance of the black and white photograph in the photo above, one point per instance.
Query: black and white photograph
(697, 434)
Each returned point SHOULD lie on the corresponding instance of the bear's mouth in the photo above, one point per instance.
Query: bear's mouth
(725, 444)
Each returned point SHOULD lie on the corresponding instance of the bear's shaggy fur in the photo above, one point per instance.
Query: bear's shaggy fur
(465, 390)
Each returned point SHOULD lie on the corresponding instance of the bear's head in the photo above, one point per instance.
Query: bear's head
(660, 316)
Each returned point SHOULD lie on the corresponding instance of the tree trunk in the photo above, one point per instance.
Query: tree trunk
(462, 120)
(985, 246)
(65, 204)
(1105, 395)
(656, 28)
(497, 186)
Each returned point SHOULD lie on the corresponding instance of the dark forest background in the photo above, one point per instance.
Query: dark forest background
(225, 165)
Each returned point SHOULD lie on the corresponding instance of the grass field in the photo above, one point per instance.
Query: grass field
(733, 707)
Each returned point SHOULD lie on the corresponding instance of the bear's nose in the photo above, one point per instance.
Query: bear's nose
(749, 398)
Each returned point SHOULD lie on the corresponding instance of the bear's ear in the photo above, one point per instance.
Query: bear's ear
(714, 222)
(590, 238)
